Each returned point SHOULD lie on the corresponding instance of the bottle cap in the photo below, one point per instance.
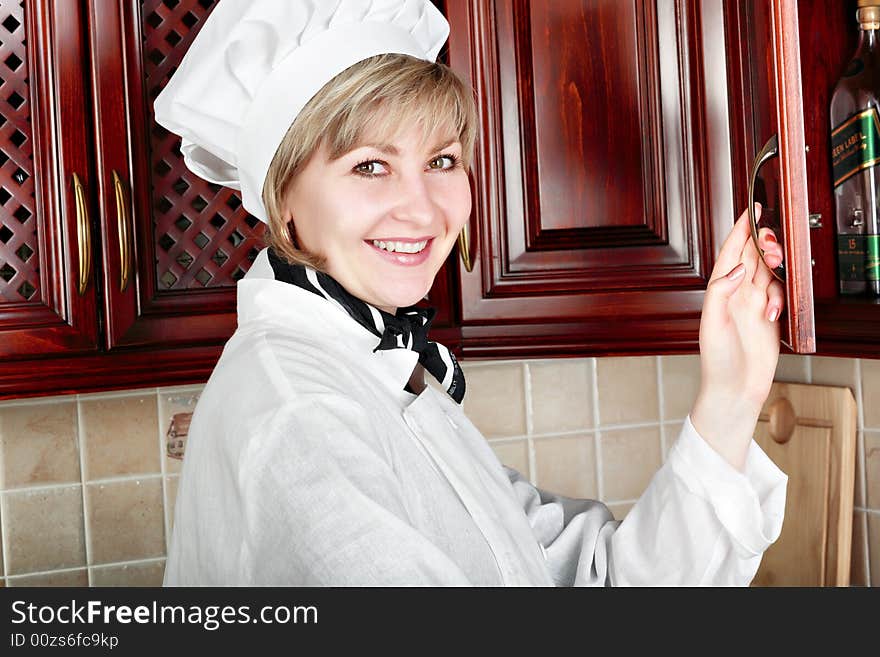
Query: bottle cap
(868, 3)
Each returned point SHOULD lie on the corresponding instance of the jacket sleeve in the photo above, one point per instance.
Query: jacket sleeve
(323, 507)
(699, 522)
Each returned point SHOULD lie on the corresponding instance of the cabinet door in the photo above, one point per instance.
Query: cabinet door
(175, 245)
(827, 35)
(47, 291)
(602, 175)
(767, 101)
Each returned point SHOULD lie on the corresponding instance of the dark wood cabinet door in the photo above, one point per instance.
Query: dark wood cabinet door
(767, 103)
(603, 172)
(175, 245)
(47, 282)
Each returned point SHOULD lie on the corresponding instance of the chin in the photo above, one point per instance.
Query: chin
(407, 295)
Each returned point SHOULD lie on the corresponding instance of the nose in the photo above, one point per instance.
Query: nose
(415, 201)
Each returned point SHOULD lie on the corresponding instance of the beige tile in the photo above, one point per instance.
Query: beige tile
(136, 574)
(562, 395)
(834, 372)
(65, 578)
(566, 465)
(871, 392)
(858, 573)
(627, 390)
(630, 457)
(170, 404)
(671, 432)
(792, 368)
(620, 510)
(171, 494)
(38, 444)
(874, 546)
(681, 383)
(495, 400)
(125, 520)
(514, 454)
(120, 436)
(43, 529)
(872, 469)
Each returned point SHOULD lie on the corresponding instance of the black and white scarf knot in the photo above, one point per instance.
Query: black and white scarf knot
(407, 329)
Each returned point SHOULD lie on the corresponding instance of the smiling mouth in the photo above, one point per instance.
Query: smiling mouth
(400, 247)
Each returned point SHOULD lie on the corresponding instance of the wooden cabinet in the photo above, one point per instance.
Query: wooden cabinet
(126, 277)
(616, 142)
(603, 182)
(786, 57)
(47, 295)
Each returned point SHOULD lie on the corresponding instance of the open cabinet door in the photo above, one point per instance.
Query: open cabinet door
(769, 147)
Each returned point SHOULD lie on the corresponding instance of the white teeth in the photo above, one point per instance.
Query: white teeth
(400, 247)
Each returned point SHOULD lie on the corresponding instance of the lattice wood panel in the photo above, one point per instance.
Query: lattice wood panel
(203, 235)
(19, 260)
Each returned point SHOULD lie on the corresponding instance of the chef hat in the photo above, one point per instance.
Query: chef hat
(256, 63)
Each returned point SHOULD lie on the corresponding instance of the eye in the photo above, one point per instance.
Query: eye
(370, 168)
(443, 162)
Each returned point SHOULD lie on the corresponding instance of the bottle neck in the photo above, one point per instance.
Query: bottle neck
(868, 39)
(869, 30)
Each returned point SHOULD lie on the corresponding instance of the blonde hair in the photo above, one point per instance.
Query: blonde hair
(384, 93)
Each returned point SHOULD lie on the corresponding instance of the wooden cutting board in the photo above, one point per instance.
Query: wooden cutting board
(810, 433)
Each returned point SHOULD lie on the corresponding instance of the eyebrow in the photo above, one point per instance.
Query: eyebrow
(391, 149)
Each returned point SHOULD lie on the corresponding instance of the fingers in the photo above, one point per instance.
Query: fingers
(775, 300)
(731, 251)
(773, 254)
(751, 259)
(762, 276)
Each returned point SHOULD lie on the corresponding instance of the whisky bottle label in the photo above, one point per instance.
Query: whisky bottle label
(858, 257)
(855, 145)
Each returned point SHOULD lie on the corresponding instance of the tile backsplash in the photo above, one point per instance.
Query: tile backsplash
(87, 489)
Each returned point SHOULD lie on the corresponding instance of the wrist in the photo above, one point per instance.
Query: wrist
(727, 423)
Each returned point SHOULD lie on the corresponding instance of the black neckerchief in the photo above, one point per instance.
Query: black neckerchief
(407, 329)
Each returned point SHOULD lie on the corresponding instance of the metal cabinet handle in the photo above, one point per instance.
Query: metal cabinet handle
(770, 150)
(83, 235)
(124, 236)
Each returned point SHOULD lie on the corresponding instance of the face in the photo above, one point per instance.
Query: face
(385, 216)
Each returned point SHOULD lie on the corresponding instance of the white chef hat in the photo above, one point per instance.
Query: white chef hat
(256, 63)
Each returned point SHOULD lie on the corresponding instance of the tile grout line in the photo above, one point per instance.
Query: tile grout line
(597, 436)
(860, 448)
(68, 484)
(80, 437)
(115, 564)
(530, 426)
(41, 573)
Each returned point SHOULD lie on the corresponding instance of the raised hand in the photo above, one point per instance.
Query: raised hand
(739, 341)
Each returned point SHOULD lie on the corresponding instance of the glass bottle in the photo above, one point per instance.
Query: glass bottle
(855, 154)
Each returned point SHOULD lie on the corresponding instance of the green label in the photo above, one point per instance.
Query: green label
(858, 257)
(855, 145)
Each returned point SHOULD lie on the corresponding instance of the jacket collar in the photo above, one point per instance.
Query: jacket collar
(264, 300)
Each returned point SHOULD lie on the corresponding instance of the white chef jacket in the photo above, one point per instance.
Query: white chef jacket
(307, 463)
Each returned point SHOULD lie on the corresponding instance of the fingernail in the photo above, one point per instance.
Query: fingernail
(774, 314)
(771, 238)
(757, 208)
(736, 272)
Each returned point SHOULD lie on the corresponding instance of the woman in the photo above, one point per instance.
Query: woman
(317, 455)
